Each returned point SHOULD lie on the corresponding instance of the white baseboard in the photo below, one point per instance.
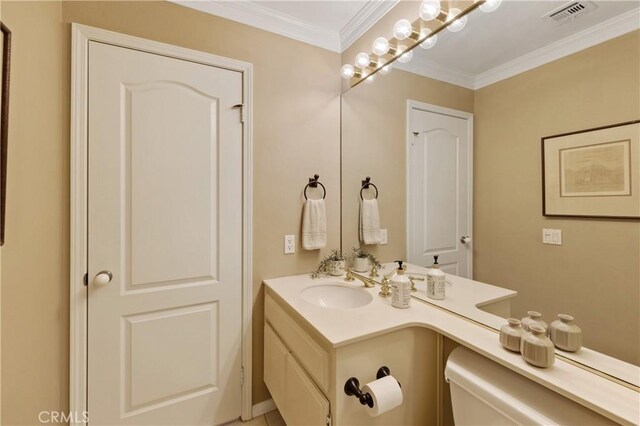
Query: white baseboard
(263, 407)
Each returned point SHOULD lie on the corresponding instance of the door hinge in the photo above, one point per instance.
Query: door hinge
(413, 141)
(242, 111)
(241, 376)
(86, 279)
(329, 419)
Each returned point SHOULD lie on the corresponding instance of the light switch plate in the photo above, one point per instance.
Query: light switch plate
(552, 236)
(289, 244)
(383, 234)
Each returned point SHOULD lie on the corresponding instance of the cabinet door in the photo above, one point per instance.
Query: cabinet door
(275, 355)
(297, 397)
(305, 405)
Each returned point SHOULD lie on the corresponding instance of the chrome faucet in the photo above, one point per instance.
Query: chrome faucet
(351, 276)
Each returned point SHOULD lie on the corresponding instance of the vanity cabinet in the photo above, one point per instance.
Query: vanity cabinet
(295, 364)
(295, 394)
(306, 375)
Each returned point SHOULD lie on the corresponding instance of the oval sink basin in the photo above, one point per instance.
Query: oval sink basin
(336, 296)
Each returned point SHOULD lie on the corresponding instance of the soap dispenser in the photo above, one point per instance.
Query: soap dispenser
(436, 281)
(400, 289)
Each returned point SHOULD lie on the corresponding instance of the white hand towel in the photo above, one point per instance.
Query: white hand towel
(370, 222)
(314, 225)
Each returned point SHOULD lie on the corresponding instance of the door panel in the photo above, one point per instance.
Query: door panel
(440, 183)
(165, 154)
(439, 191)
(157, 341)
(187, 249)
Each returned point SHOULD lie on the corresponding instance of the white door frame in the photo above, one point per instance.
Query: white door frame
(411, 105)
(78, 339)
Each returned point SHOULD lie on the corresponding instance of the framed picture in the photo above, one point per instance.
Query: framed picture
(593, 173)
(4, 121)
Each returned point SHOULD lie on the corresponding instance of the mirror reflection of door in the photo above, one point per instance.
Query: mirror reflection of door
(439, 188)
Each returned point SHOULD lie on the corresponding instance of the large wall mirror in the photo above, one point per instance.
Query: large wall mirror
(461, 126)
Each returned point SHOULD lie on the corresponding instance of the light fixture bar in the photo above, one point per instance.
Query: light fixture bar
(418, 36)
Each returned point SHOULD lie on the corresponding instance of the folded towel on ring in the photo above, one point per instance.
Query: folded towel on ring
(314, 225)
(370, 222)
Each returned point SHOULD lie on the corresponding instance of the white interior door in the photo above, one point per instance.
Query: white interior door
(165, 203)
(439, 189)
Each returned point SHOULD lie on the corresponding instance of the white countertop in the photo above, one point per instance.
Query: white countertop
(604, 396)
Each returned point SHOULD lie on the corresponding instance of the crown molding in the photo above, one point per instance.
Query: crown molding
(254, 14)
(431, 69)
(364, 20)
(592, 36)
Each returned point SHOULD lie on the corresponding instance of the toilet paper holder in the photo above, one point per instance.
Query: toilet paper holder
(352, 387)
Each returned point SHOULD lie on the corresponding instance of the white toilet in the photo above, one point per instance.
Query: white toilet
(486, 393)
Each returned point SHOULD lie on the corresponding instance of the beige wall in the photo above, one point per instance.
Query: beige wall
(296, 125)
(374, 128)
(35, 254)
(595, 274)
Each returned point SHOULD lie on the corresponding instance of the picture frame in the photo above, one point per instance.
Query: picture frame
(592, 173)
(4, 123)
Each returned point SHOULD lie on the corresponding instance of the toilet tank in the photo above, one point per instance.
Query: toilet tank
(486, 393)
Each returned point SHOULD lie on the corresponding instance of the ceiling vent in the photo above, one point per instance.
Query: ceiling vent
(569, 12)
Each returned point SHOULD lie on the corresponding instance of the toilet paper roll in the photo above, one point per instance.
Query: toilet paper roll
(386, 394)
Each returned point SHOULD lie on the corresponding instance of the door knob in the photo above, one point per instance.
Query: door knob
(465, 240)
(103, 277)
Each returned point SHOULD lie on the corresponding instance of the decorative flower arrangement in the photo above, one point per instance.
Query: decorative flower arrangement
(333, 264)
(362, 260)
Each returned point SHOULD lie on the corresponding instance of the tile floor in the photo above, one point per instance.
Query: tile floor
(272, 418)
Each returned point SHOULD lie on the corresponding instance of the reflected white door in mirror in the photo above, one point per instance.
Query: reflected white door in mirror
(439, 187)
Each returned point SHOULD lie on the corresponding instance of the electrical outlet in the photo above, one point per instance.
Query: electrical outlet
(552, 236)
(383, 234)
(289, 244)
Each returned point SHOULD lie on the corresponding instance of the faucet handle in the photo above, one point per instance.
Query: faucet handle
(374, 271)
(349, 276)
(385, 291)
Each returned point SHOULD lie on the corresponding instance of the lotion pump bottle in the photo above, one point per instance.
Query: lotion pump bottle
(436, 281)
(400, 289)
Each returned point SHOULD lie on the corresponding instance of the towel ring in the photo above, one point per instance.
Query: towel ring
(365, 185)
(313, 183)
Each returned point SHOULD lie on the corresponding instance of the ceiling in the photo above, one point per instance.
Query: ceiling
(328, 15)
(491, 47)
(331, 24)
(516, 33)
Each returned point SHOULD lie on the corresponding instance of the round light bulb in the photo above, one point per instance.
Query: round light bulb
(380, 46)
(347, 71)
(402, 29)
(428, 43)
(490, 5)
(456, 24)
(430, 9)
(406, 56)
(362, 60)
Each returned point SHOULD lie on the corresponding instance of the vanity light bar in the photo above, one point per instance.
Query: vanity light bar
(454, 19)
